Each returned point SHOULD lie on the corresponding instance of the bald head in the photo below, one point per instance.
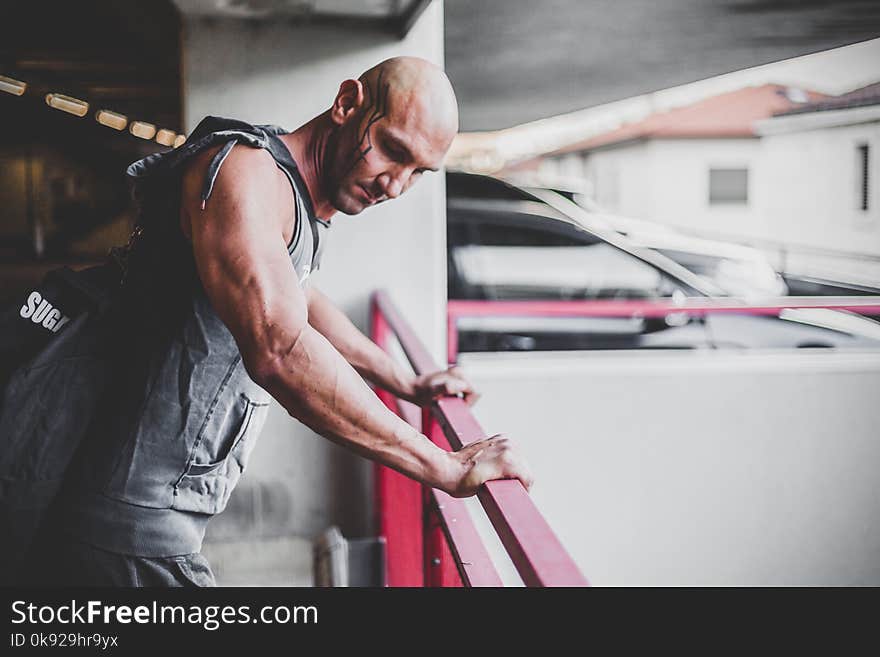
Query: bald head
(390, 126)
(419, 90)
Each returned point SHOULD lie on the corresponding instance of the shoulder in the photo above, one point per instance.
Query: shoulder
(248, 182)
(245, 170)
(247, 179)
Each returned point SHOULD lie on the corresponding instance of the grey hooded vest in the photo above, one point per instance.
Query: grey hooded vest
(177, 428)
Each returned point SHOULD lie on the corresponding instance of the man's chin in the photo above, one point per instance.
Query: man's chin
(352, 210)
(348, 205)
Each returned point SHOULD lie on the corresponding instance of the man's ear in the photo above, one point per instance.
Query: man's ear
(348, 100)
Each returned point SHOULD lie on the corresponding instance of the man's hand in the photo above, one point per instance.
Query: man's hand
(487, 459)
(428, 387)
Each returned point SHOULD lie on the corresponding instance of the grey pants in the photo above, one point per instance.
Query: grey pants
(66, 561)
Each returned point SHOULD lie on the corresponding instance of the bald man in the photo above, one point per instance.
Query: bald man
(219, 315)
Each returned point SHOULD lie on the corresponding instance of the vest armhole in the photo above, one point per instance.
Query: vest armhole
(296, 235)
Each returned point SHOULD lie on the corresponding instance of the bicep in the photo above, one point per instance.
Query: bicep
(241, 257)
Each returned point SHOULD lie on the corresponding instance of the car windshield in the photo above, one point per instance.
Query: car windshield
(738, 276)
(508, 250)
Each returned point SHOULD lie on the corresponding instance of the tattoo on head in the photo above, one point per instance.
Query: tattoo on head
(375, 108)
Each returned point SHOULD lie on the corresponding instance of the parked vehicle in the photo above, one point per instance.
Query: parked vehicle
(754, 270)
(507, 243)
(735, 269)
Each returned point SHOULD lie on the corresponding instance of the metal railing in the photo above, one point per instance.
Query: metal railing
(430, 537)
(612, 308)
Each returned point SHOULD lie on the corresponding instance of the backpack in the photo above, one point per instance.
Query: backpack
(55, 355)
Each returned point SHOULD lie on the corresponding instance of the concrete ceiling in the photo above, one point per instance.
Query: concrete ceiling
(514, 61)
(511, 61)
(295, 8)
(391, 15)
(299, 9)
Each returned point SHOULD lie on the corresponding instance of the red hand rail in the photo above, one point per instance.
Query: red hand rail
(534, 549)
(625, 308)
(475, 567)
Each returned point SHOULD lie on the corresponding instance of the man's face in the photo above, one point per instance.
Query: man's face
(381, 151)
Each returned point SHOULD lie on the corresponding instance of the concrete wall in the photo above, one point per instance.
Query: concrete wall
(803, 186)
(680, 183)
(623, 179)
(810, 190)
(667, 180)
(701, 469)
(299, 483)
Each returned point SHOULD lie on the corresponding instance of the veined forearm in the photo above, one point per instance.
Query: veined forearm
(362, 354)
(383, 371)
(318, 387)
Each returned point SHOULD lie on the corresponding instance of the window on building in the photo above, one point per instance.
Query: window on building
(728, 186)
(862, 179)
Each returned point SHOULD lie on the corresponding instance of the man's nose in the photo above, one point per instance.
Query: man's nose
(391, 185)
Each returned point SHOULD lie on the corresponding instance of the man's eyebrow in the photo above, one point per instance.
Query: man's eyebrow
(398, 144)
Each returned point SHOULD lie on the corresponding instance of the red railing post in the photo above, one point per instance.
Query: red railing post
(397, 502)
(439, 563)
(440, 570)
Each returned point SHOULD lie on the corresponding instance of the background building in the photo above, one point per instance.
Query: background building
(694, 167)
(788, 170)
(819, 179)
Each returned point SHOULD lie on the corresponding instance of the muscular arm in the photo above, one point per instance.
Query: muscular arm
(239, 248)
(363, 354)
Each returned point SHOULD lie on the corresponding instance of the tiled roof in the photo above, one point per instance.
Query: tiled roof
(862, 97)
(730, 114)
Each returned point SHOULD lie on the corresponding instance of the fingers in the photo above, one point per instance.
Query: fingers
(454, 386)
(472, 398)
(513, 465)
(448, 383)
(458, 385)
(495, 458)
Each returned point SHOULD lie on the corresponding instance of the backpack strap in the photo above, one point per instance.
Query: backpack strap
(95, 285)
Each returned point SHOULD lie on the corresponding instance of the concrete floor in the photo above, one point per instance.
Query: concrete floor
(285, 561)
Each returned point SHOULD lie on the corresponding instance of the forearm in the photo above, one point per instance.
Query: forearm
(318, 387)
(363, 354)
(238, 243)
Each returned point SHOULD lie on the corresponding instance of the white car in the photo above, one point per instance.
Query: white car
(506, 243)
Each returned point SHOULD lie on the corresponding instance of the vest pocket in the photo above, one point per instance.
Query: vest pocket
(225, 452)
(205, 487)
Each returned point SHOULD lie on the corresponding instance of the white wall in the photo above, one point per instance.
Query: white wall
(680, 170)
(808, 193)
(803, 187)
(623, 178)
(667, 180)
(299, 483)
(699, 469)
